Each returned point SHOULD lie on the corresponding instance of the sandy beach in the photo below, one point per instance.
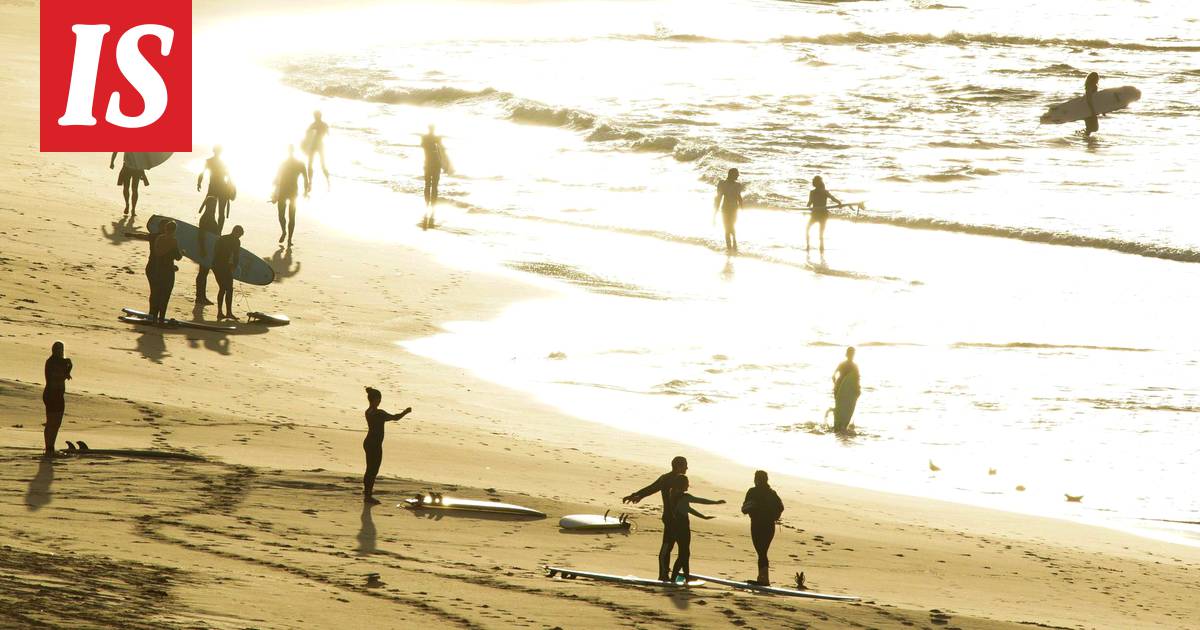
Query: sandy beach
(224, 486)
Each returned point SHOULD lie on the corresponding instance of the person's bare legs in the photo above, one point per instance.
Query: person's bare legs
(281, 206)
(292, 220)
(125, 193)
(822, 235)
(133, 197)
(53, 423)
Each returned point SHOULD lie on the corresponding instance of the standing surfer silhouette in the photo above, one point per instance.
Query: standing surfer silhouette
(435, 162)
(373, 443)
(728, 202)
(820, 213)
(58, 372)
(128, 179)
(846, 391)
(1091, 85)
(663, 485)
(314, 144)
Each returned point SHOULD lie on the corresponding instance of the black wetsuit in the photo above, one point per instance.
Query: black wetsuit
(817, 198)
(845, 395)
(683, 532)
(1090, 124)
(764, 507)
(731, 201)
(435, 162)
(160, 270)
(208, 225)
(225, 260)
(373, 446)
(54, 396)
(662, 485)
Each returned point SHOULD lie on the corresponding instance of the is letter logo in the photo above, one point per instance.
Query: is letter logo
(116, 76)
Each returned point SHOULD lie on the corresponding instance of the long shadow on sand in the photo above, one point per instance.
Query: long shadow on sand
(281, 261)
(38, 494)
(115, 231)
(366, 533)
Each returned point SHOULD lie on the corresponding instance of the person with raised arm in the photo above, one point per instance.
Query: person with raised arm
(662, 485)
(58, 372)
(817, 199)
(681, 506)
(373, 443)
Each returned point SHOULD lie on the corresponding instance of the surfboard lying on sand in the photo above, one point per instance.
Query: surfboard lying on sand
(1105, 101)
(251, 269)
(132, 316)
(438, 502)
(776, 590)
(145, 160)
(571, 574)
(597, 522)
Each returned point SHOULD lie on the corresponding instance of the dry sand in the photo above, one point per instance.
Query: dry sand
(232, 499)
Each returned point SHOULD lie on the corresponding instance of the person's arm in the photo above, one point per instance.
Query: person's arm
(739, 197)
(307, 182)
(112, 162)
(69, 367)
(400, 415)
(702, 500)
(200, 178)
(717, 201)
(636, 497)
(835, 199)
(692, 510)
(145, 180)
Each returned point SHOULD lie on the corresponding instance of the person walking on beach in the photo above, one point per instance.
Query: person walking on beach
(208, 225)
(287, 188)
(225, 262)
(314, 145)
(373, 443)
(128, 179)
(435, 162)
(764, 507)
(1091, 85)
(220, 185)
(58, 372)
(845, 392)
(728, 202)
(160, 270)
(662, 485)
(682, 507)
(820, 213)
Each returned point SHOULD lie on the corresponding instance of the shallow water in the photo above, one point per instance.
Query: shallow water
(587, 137)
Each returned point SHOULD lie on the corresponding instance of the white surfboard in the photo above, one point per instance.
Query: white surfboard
(438, 502)
(593, 522)
(570, 574)
(1105, 101)
(776, 590)
(143, 161)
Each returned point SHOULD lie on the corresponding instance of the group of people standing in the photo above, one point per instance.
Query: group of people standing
(729, 200)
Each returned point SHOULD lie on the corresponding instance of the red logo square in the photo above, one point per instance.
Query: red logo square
(116, 76)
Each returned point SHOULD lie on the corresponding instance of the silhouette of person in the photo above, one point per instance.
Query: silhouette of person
(314, 144)
(764, 507)
(820, 213)
(435, 162)
(662, 485)
(208, 225)
(287, 188)
(373, 443)
(681, 508)
(58, 372)
(225, 262)
(160, 270)
(128, 179)
(220, 185)
(845, 392)
(1091, 85)
(729, 201)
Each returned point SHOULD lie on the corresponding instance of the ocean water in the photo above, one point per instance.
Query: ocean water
(1022, 299)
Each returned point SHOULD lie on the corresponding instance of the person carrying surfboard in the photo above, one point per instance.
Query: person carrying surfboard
(728, 202)
(662, 485)
(681, 507)
(435, 162)
(287, 188)
(128, 180)
(220, 185)
(820, 213)
(225, 262)
(846, 391)
(314, 144)
(58, 372)
(1091, 85)
(764, 507)
(373, 443)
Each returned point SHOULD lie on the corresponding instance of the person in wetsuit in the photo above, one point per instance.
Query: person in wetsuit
(662, 485)
(728, 202)
(681, 508)
(220, 185)
(764, 507)
(373, 443)
(287, 188)
(128, 179)
(225, 262)
(1091, 85)
(208, 225)
(160, 270)
(58, 372)
(817, 198)
(845, 392)
(314, 144)
(435, 162)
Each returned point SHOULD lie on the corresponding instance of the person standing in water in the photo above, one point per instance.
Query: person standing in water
(287, 188)
(58, 372)
(820, 213)
(662, 485)
(728, 202)
(1091, 85)
(160, 270)
(128, 179)
(764, 507)
(682, 507)
(435, 162)
(845, 392)
(220, 185)
(314, 145)
(373, 443)
(208, 225)
(225, 262)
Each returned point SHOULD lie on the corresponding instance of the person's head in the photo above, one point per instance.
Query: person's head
(291, 150)
(217, 150)
(760, 478)
(732, 175)
(679, 465)
(317, 115)
(374, 396)
(850, 352)
(818, 183)
(56, 350)
(237, 231)
(169, 227)
(431, 128)
(1093, 78)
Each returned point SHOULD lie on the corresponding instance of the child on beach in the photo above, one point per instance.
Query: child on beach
(373, 443)
(681, 506)
(820, 213)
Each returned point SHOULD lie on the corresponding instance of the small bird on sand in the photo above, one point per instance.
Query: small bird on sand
(70, 446)
(1074, 498)
(991, 471)
(933, 466)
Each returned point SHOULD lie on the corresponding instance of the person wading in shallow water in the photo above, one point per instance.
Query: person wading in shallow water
(728, 202)
(1091, 85)
(820, 213)
(662, 485)
(58, 372)
(845, 392)
(435, 162)
(373, 443)
(764, 507)
(287, 188)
